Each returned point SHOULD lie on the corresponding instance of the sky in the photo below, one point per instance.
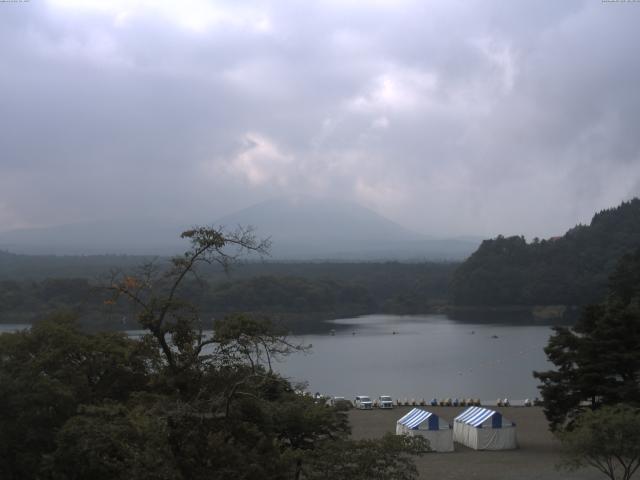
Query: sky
(449, 117)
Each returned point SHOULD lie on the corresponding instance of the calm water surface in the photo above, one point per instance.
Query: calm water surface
(429, 356)
(13, 327)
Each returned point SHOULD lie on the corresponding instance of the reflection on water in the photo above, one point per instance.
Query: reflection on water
(422, 356)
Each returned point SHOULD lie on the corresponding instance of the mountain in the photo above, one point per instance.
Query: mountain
(300, 227)
(568, 270)
(308, 228)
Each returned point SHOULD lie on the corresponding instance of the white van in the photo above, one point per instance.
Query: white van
(363, 402)
(385, 401)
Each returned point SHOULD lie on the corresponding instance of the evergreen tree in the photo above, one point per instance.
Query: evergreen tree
(567, 270)
(598, 360)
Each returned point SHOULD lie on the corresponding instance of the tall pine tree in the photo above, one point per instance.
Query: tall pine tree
(597, 361)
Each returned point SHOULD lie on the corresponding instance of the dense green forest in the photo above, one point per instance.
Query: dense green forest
(570, 270)
(297, 295)
(39, 267)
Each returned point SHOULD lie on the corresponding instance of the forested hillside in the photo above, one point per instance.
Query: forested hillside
(38, 267)
(300, 294)
(570, 270)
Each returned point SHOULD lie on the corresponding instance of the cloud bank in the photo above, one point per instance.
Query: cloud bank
(452, 118)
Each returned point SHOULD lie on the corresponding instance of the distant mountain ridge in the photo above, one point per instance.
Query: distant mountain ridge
(301, 228)
(568, 270)
(312, 220)
(307, 228)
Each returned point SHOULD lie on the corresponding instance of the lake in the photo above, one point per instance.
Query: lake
(428, 356)
(12, 327)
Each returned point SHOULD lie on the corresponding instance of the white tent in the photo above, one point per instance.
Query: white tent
(428, 425)
(483, 429)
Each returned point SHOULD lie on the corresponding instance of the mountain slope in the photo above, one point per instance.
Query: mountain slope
(316, 221)
(304, 228)
(570, 270)
(301, 228)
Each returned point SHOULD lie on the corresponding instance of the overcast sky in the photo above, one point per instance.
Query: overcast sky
(450, 117)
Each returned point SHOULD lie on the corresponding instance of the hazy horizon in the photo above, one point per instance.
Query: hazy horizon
(299, 228)
(158, 219)
(448, 118)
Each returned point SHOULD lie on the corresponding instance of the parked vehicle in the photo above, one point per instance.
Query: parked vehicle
(385, 401)
(363, 402)
(340, 402)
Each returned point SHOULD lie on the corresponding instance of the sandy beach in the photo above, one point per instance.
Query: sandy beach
(535, 459)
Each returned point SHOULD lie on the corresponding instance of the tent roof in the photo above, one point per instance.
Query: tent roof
(414, 418)
(475, 416)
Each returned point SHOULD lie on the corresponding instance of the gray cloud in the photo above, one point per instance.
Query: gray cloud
(449, 117)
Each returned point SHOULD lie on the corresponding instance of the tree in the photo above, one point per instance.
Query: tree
(156, 294)
(390, 457)
(111, 441)
(47, 373)
(598, 360)
(567, 270)
(180, 403)
(236, 403)
(607, 439)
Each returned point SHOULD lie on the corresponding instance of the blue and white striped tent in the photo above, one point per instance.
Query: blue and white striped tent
(428, 425)
(483, 429)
